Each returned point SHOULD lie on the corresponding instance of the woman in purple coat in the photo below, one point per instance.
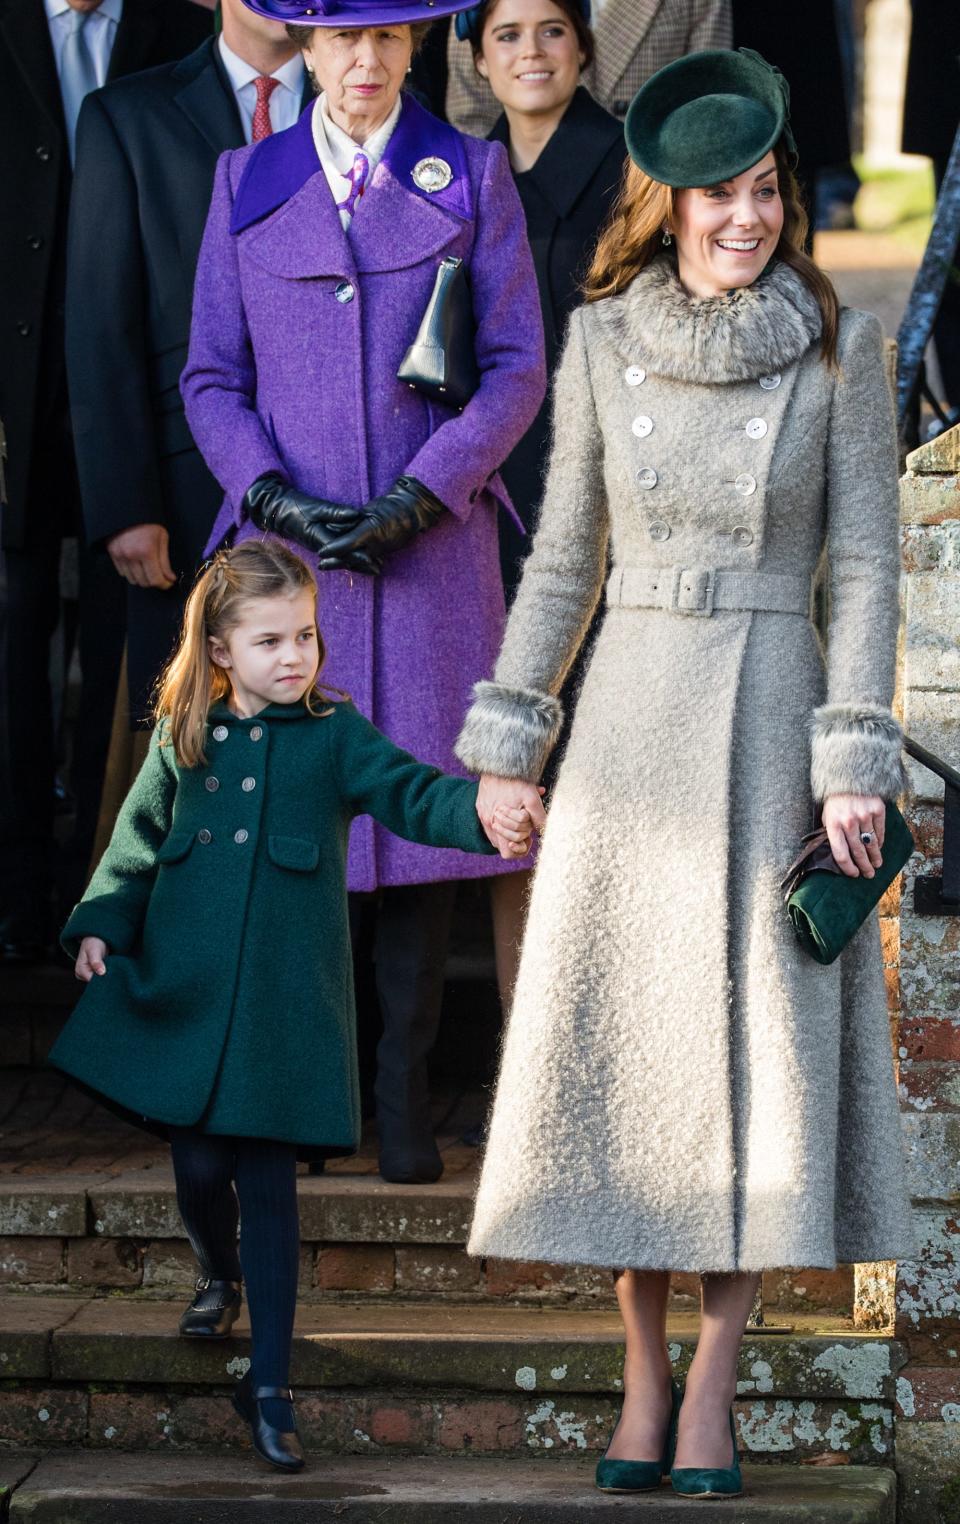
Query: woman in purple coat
(320, 254)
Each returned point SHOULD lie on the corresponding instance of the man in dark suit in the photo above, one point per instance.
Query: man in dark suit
(51, 53)
(147, 149)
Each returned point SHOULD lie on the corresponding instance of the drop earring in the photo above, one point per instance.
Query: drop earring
(667, 239)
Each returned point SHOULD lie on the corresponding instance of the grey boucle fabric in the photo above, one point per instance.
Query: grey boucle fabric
(680, 1086)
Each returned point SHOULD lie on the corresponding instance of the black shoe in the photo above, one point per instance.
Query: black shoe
(272, 1445)
(213, 1311)
(415, 1161)
(21, 939)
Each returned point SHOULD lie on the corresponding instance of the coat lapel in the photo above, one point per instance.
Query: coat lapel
(571, 158)
(619, 31)
(26, 33)
(204, 95)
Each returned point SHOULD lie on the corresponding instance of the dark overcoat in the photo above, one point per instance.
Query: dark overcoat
(931, 103)
(36, 179)
(228, 996)
(566, 197)
(147, 151)
(298, 332)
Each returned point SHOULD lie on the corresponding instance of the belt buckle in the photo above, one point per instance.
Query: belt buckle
(692, 591)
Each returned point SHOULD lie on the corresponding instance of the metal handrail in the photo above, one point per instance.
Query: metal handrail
(940, 894)
(931, 762)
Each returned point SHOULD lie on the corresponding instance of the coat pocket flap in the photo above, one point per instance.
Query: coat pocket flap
(176, 847)
(293, 852)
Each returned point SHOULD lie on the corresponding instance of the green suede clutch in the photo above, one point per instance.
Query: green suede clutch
(826, 907)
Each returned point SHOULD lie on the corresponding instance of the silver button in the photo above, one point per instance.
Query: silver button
(211, 785)
(220, 732)
(742, 535)
(256, 732)
(248, 785)
(745, 484)
(240, 836)
(771, 382)
(756, 428)
(642, 426)
(647, 477)
(659, 530)
(344, 292)
(205, 836)
(634, 375)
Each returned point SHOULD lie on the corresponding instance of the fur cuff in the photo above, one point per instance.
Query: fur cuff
(509, 732)
(856, 750)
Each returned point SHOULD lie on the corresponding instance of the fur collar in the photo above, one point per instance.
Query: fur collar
(743, 334)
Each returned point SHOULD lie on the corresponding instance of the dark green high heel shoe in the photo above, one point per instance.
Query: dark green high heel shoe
(641, 1476)
(704, 1482)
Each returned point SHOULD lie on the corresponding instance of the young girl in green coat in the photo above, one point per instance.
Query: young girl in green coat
(214, 940)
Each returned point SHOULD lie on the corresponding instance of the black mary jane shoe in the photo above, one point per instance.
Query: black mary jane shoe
(213, 1311)
(277, 1447)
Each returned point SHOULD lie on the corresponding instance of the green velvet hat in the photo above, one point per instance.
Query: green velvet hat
(708, 117)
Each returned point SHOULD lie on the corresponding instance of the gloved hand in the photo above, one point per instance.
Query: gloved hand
(313, 522)
(386, 524)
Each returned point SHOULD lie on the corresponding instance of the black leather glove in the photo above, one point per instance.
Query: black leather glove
(313, 522)
(386, 524)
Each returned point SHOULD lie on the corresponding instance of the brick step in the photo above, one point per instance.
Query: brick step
(109, 1231)
(150, 1489)
(415, 1378)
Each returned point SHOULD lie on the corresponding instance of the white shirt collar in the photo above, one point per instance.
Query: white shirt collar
(340, 147)
(241, 73)
(110, 10)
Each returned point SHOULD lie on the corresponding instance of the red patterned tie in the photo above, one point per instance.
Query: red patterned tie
(262, 127)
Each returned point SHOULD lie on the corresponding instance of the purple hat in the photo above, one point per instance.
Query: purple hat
(354, 13)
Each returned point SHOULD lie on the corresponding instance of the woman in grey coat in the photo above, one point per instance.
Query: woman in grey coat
(682, 1088)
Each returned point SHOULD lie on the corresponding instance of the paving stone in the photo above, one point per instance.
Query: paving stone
(139, 1204)
(42, 1416)
(27, 1324)
(182, 1489)
(928, 1461)
(99, 1262)
(31, 1261)
(355, 1267)
(436, 1267)
(51, 1206)
(365, 1209)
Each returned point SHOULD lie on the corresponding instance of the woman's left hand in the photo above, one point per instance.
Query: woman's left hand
(388, 523)
(848, 818)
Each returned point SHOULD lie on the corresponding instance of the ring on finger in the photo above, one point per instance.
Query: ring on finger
(866, 837)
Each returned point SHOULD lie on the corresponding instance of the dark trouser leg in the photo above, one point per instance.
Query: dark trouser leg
(203, 1168)
(266, 1175)
(413, 929)
(32, 606)
(946, 329)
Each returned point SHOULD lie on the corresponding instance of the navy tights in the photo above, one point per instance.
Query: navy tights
(221, 1180)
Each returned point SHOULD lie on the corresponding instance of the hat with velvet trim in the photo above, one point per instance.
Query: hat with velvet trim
(468, 21)
(708, 117)
(354, 13)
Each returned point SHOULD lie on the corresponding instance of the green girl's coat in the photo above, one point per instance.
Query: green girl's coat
(228, 996)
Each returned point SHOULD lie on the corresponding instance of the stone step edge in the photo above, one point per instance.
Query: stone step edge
(83, 1487)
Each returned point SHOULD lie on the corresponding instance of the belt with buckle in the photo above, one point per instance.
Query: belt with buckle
(701, 590)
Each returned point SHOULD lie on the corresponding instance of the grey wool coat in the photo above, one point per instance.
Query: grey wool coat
(681, 1086)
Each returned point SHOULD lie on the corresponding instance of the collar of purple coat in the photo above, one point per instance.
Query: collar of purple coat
(282, 164)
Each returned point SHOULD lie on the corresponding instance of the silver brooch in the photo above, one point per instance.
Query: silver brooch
(432, 174)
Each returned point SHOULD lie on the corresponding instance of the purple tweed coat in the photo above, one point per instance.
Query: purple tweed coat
(298, 331)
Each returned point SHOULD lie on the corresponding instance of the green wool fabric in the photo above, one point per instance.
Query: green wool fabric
(228, 996)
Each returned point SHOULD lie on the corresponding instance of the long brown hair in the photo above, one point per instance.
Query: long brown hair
(192, 680)
(632, 237)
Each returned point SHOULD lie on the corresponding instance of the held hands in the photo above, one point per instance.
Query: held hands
(313, 522)
(386, 524)
(90, 961)
(510, 810)
(847, 818)
(142, 555)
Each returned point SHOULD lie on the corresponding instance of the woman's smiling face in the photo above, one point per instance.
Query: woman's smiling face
(530, 55)
(726, 233)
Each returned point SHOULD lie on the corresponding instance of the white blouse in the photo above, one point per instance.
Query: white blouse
(337, 152)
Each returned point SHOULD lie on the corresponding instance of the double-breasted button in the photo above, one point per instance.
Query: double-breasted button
(43, 153)
(771, 382)
(211, 785)
(205, 836)
(240, 836)
(220, 732)
(634, 375)
(659, 530)
(642, 426)
(745, 484)
(35, 242)
(24, 329)
(742, 535)
(248, 785)
(344, 291)
(256, 732)
(756, 428)
(647, 477)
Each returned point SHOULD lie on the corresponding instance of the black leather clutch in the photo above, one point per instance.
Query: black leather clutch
(442, 360)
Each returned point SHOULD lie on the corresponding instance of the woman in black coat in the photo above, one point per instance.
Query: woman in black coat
(567, 155)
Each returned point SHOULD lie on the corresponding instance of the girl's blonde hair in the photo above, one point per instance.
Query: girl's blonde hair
(632, 237)
(192, 680)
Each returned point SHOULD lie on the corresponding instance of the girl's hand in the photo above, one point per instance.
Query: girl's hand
(848, 818)
(93, 951)
(514, 828)
(509, 793)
